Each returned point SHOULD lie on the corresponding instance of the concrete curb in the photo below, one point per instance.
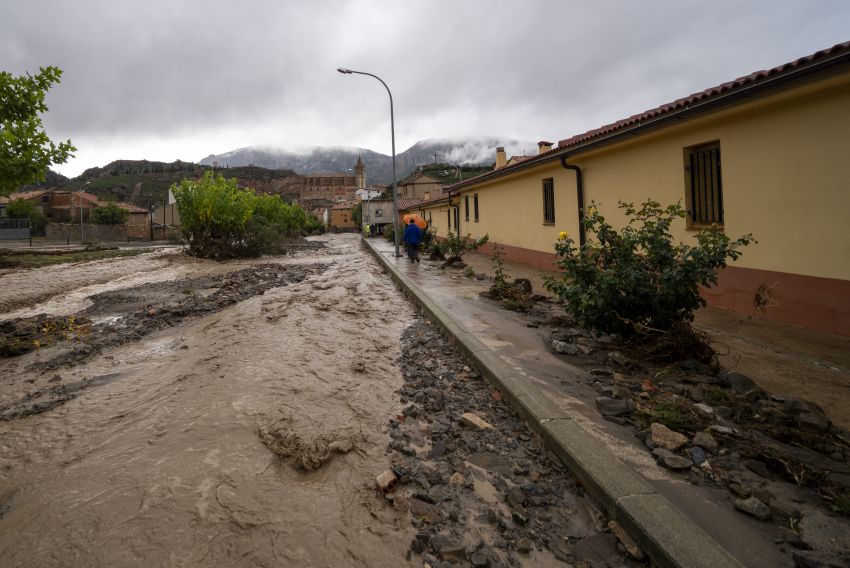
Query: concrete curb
(668, 536)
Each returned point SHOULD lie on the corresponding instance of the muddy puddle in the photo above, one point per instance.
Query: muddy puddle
(246, 435)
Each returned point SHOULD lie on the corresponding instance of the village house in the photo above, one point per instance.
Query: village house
(341, 218)
(64, 206)
(764, 154)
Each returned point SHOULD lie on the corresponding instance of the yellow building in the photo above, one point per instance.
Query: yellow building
(340, 218)
(765, 154)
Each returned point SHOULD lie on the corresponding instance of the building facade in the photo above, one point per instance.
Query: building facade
(763, 154)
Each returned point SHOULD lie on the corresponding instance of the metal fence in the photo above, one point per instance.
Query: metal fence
(14, 229)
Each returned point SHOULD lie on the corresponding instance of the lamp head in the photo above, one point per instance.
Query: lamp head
(344, 71)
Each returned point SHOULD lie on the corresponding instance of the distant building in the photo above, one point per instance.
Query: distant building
(341, 217)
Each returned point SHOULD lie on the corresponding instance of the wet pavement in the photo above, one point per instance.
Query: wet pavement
(524, 349)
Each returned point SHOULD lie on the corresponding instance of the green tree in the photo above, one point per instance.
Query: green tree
(357, 214)
(109, 214)
(25, 149)
(220, 220)
(23, 209)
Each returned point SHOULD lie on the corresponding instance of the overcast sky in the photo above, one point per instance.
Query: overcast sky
(170, 79)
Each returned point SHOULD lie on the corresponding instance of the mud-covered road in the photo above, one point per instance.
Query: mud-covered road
(147, 441)
(160, 410)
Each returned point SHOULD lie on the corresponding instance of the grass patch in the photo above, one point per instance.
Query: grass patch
(13, 259)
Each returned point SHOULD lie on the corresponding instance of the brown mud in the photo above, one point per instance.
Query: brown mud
(161, 451)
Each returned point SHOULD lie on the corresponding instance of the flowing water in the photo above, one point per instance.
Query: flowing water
(161, 462)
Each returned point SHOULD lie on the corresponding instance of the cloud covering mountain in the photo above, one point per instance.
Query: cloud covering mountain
(471, 150)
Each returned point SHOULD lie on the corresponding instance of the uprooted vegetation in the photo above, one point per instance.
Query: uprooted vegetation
(282, 440)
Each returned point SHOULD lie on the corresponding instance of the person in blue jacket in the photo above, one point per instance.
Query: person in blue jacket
(412, 238)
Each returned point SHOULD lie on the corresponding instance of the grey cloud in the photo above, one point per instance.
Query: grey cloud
(530, 70)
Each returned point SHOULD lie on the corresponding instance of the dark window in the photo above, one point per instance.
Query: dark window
(475, 206)
(466, 207)
(549, 201)
(449, 219)
(702, 165)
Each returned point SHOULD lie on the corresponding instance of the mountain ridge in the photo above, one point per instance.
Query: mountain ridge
(477, 150)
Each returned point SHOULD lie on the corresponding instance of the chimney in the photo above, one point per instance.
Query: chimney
(501, 158)
(543, 146)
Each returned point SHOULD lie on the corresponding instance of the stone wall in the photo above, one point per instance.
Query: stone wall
(110, 233)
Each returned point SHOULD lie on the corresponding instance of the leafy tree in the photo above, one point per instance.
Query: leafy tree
(25, 150)
(23, 209)
(220, 220)
(357, 214)
(109, 214)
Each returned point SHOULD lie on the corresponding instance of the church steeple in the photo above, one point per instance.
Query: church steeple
(360, 172)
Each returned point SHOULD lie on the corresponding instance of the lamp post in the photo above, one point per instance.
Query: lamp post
(392, 134)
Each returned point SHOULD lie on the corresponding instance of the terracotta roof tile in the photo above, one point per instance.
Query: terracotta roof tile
(565, 146)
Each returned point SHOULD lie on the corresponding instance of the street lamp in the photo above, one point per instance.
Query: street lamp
(392, 133)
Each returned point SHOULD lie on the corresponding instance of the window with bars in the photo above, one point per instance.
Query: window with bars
(548, 201)
(705, 191)
(475, 206)
(466, 207)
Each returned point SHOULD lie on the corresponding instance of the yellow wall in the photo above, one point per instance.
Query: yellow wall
(785, 172)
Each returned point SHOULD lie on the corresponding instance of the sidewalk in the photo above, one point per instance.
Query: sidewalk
(676, 523)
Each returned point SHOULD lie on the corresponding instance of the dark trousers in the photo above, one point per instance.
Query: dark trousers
(412, 251)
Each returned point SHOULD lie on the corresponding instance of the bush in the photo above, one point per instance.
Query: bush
(23, 209)
(109, 214)
(637, 281)
(388, 233)
(453, 247)
(219, 220)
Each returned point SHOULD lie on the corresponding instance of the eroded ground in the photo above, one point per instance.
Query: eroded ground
(154, 456)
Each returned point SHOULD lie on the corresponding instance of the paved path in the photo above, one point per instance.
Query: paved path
(676, 522)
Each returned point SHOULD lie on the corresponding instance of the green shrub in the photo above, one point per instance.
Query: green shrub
(220, 220)
(23, 209)
(637, 280)
(109, 214)
(453, 247)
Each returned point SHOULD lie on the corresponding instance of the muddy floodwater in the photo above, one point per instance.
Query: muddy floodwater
(223, 427)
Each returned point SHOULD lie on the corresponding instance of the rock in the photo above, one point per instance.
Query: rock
(479, 560)
(448, 548)
(491, 462)
(565, 348)
(705, 409)
(516, 498)
(596, 550)
(387, 481)
(618, 358)
(457, 479)
(758, 468)
(705, 441)
(696, 454)
(519, 517)
(613, 406)
(813, 420)
(826, 534)
(424, 511)
(741, 384)
(791, 537)
(670, 460)
(740, 490)
(437, 450)
(471, 419)
(754, 508)
(628, 543)
(812, 559)
(664, 437)
(724, 430)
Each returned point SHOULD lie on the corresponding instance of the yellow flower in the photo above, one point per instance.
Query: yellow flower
(563, 235)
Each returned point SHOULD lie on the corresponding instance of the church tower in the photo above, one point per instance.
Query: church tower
(360, 173)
